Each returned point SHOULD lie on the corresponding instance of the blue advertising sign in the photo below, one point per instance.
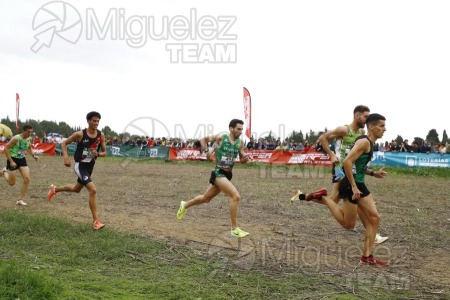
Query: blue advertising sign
(405, 159)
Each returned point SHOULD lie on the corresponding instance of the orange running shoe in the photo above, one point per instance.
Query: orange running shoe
(52, 192)
(98, 225)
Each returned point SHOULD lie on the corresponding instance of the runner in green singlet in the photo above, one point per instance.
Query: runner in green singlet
(345, 136)
(229, 146)
(15, 152)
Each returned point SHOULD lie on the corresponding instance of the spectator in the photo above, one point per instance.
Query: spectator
(292, 145)
(115, 141)
(308, 147)
(425, 147)
(395, 147)
(250, 144)
(270, 146)
(414, 147)
(36, 139)
(442, 149)
(264, 144)
(435, 148)
(151, 142)
(319, 147)
(282, 146)
(258, 145)
(405, 147)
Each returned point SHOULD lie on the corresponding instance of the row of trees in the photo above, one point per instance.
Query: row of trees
(432, 137)
(41, 127)
(45, 127)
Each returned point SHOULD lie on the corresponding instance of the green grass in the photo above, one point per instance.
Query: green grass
(48, 258)
(421, 172)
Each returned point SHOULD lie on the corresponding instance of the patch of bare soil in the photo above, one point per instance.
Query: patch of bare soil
(143, 198)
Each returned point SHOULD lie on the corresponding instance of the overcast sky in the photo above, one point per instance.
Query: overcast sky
(307, 64)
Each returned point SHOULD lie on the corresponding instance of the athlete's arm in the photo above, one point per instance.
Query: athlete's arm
(338, 132)
(8, 146)
(361, 146)
(102, 146)
(244, 157)
(204, 144)
(32, 153)
(75, 137)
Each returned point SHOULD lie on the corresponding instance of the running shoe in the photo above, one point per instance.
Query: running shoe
(372, 261)
(52, 192)
(295, 197)
(21, 202)
(181, 210)
(237, 232)
(98, 225)
(317, 195)
(380, 239)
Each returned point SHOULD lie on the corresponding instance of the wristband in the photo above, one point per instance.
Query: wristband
(372, 173)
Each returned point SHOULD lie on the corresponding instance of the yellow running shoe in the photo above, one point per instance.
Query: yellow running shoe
(295, 197)
(237, 232)
(181, 210)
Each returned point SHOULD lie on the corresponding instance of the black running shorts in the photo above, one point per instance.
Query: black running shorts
(218, 172)
(346, 193)
(20, 162)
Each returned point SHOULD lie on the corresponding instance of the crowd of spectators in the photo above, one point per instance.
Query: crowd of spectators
(151, 141)
(425, 147)
(259, 144)
(269, 144)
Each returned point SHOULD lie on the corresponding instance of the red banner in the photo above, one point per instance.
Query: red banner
(38, 148)
(262, 156)
(17, 111)
(186, 154)
(248, 112)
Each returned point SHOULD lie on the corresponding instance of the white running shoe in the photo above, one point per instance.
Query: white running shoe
(380, 239)
(21, 202)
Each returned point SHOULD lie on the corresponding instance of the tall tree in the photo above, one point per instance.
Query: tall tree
(418, 140)
(444, 137)
(433, 136)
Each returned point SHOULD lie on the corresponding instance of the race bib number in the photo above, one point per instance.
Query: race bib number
(21, 153)
(226, 162)
(87, 155)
